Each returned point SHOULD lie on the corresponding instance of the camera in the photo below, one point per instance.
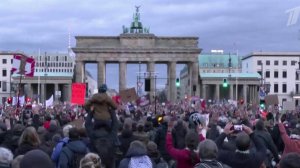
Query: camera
(238, 127)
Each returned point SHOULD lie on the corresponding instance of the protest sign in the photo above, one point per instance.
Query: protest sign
(128, 95)
(78, 93)
(288, 105)
(271, 100)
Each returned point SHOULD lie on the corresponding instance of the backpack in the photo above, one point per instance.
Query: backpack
(75, 163)
(57, 150)
(140, 162)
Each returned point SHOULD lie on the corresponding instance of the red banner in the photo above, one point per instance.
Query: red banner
(78, 93)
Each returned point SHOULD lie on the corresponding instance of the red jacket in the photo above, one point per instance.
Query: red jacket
(182, 156)
(290, 145)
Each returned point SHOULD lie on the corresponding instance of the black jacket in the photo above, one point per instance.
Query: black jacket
(160, 140)
(268, 142)
(245, 160)
(24, 148)
(126, 138)
(68, 151)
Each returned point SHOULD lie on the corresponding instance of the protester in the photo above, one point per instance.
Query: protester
(188, 157)
(208, 152)
(291, 160)
(136, 156)
(73, 151)
(243, 156)
(29, 140)
(292, 142)
(265, 137)
(90, 160)
(6, 157)
(36, 159)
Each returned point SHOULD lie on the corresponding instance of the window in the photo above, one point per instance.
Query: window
(11, 61)
(284, 74)
(275, 88)
(66, 58)
(284, 88)
(4, 61)
(56, 58)
(4, 73)
(268, 62)
(293, 62)
(275, 62)
(4, 86)
(284, 62)
(259, 62)
(267, 74)
(275, 74)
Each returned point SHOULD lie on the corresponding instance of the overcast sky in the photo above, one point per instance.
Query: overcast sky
(243, 25)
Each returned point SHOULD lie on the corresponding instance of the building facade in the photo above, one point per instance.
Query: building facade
(53, 76)
(214, 69)
(278, 71)
(6, 61)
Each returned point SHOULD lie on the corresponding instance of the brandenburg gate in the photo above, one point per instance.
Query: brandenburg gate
(137, 45)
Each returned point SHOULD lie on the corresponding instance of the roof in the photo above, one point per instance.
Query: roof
(233, 75)
(218, 60)
(272, 54)
(51, 74)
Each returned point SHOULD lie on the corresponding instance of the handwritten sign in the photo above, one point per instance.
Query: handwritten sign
(78, 93)
(128, 95)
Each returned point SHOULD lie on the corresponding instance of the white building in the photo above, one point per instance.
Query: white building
(6, 60)
(279, 72)
(53, 76)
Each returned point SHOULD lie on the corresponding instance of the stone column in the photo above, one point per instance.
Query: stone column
(245, 93)
(55, 92)
(231, 91)
(79, 71)
(101, 73)
(43, 93)
(151, 69)
(172, 79)
(203, 91)
(122, 75)
(69, 88)
(217, 96)
(194, 80)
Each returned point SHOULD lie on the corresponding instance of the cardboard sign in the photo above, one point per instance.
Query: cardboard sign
(271, 100)
(78, 93)
(288, 105)
(128, 95)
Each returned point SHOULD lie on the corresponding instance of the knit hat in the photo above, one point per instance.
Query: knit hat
(36, 159)
(151, 147)
(103, 88)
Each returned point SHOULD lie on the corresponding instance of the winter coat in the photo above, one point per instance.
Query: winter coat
(291, 145)
(268, 142)
(126, 138)
(102, 103)
(160, 140)
(246, 160)
(68, 151)
(132, 152)
(211, 164)
(275, 133)
(178, 134)
(182, 156)
(24, 148)
(142, 136)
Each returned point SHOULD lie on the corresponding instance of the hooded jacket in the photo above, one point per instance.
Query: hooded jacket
(68, 151)
(291, 145)
(126, 138)
(136, 149)
(101, 102)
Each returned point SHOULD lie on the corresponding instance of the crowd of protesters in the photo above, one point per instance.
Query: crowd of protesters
(188, 134)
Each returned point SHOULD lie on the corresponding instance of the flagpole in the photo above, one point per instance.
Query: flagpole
(19, 90)
(39, 77)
